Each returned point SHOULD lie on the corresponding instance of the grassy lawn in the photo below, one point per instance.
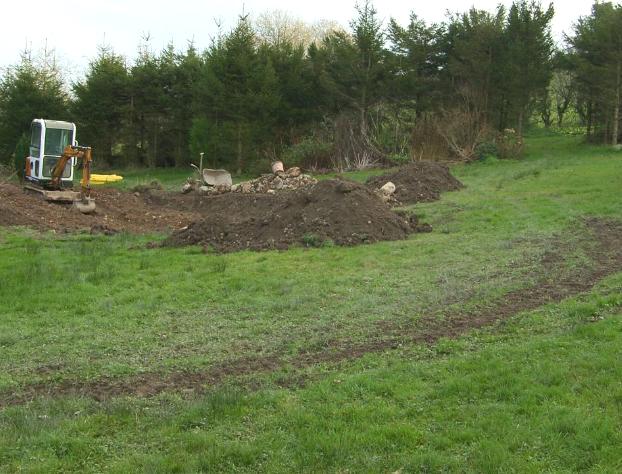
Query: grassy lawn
(541, 391)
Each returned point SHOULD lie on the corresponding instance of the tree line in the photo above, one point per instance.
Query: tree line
(320, 95)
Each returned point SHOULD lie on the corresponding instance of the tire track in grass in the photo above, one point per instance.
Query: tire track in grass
(600, 239)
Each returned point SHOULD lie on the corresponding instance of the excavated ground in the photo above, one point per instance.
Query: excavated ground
(420, 181)
(116, 211)
(343, 212)
(340, 211)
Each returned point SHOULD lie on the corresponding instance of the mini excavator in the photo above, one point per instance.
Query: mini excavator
(54, 152)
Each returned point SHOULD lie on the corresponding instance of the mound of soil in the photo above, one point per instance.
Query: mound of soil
(116, 211)
(343, 212)
(420, 181)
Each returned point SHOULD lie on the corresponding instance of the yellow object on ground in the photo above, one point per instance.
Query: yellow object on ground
(105, 178)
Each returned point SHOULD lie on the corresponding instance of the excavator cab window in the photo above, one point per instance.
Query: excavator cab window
(56, 140)
(35, 140)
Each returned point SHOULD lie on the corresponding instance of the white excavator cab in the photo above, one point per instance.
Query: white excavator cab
(49, 166)
(48, 139)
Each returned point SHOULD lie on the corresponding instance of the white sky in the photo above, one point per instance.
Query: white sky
(74, 28)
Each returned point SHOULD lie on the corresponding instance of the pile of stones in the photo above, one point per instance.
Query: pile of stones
(291, 179)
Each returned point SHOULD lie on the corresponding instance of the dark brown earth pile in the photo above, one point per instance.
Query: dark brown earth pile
(116, 211)
(420, 181)
(343, 212)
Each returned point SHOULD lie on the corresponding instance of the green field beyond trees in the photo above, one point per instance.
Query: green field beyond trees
(121, 358)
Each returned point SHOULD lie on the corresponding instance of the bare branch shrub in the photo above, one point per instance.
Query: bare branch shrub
(426, 141)
(463, 130)
(509, 144)
(352, 150)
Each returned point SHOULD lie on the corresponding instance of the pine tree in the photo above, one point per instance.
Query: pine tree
(416, 55)
(102, 103)
(596, 48)
(146, 105)
(32, 89)
(353, 66)
(241, 97)
(528, 66)
(473, 63)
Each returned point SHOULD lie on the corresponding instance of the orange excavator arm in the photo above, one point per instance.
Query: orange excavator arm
(81, 153)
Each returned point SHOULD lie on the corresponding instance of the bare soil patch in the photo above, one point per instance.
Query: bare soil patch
(337, 211)
(116, 211)
(343, 212)
(601, 240)
(420, 181)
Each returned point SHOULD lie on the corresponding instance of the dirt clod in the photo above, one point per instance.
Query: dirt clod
(420, 181)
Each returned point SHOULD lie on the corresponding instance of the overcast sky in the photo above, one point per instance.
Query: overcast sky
(75, 28)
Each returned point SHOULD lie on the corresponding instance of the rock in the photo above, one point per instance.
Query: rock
(294, 172)
(235, 188)
(186, 188)
(388, 188)
(278, 182)
(222, 188)
(204, 189)
(277, 166)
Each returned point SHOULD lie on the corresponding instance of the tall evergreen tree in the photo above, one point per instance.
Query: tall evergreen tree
(298, 92)
(417, 57)
(32, 89)
(474, 53)
(184, 102)
(530, 49)
(354, 67)
(596, 48)
(241, 97)
(102, 102)
(146, 107)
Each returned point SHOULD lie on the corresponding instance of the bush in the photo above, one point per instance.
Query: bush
(308, 153)
(426, 141)
(311, 240)
(509, 144)
(398, 159)
(260, 166)
(22, 150)
(486, 149)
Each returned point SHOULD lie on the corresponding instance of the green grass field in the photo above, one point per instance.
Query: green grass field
(281, 362)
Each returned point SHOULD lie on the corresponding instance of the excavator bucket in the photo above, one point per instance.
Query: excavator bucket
(217, 177)
(67, 196)
(85, 205)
